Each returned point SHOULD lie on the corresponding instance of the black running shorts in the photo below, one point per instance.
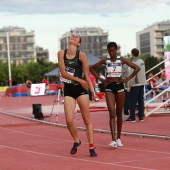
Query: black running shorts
(74, 90)
(115, 88)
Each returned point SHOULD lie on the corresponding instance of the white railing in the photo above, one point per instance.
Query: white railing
(158, 95)
(150, 91)
(161, 94)
(160, 104)
(156, 66)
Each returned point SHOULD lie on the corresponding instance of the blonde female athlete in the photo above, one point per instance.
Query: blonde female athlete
(72, 63)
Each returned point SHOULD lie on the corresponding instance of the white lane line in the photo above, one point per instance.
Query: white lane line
(77, 159)
(124, 148)
(82, 128)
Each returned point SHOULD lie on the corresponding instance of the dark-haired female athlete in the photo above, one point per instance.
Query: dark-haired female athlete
(114, 91)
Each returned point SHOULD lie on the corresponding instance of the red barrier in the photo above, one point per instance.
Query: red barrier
(100, 95)
(22, 89)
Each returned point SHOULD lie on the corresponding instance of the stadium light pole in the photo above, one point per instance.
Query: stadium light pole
(9, 61)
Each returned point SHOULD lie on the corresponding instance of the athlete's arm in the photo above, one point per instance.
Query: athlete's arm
(97, 65)
(133, 66)
(83, 59)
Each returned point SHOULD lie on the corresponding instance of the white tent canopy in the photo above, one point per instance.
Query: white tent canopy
(54, 72)
(92, 59)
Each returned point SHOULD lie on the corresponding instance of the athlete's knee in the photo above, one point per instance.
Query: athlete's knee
(69, 123)
(112, 115)
(119, 115)
(87, 122)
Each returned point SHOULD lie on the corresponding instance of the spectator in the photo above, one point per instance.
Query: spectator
(158, 81)
(44, 80)
(136, 88)
(28, 86)
(163, 74)
(152, 81)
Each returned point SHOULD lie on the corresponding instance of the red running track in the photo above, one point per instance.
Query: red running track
(30, 145)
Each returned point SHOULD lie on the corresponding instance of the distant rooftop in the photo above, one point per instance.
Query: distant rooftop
(167, 22)
(13, 29)
(85, 31)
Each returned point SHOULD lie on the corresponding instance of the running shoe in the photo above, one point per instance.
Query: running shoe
(119, 142)
(141, 120)
(92, 152)
(130, 120)
(75, 147)
(113, 144)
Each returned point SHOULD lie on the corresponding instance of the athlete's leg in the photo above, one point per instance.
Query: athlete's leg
(120, 97)
(110, 100)
(83, 102)
(69, 108)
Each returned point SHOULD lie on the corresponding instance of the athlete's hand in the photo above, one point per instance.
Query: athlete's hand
(102, 80)
(84, 84)
(128, 89)
(95, 98)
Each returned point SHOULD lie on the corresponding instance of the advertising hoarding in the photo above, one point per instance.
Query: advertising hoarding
(166, 40)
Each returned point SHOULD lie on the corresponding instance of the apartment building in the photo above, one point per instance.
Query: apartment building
(21, 45)
(93, 40)
(150, 40)
(42, 54)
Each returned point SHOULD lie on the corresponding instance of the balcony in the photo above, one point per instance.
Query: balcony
(158, 43)
(159, 50)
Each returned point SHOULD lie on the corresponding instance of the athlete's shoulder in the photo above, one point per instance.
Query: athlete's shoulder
(60, 53)
(121, 57)
(82, 54)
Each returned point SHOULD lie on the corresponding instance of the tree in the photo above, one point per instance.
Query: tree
(22, 72)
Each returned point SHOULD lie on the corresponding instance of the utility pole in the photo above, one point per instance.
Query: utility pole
(9, 61)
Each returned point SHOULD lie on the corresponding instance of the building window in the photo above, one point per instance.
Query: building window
(17, 54)
(16, 39)
(2, 55)
(21, 39)
(11, 47)
(30, 55)
(16, 47)
(159, 47)
(3, 47)
(145, 43)
(145, 50)
(29, 47)
(20, 47)
(145, 36)
(22, 54)
(29, 39)
(1, 40)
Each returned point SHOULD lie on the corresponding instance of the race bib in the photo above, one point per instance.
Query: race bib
(114, 70)
(70, 71)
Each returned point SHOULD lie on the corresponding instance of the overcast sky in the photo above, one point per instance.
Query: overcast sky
(52, 18)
